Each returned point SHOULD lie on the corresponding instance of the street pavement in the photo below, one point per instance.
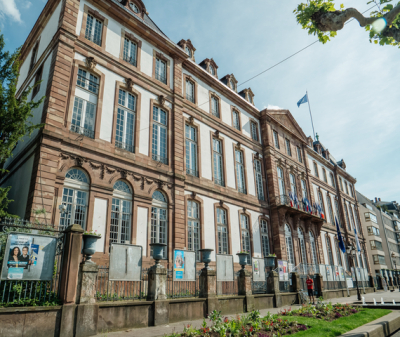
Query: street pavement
(387, 297)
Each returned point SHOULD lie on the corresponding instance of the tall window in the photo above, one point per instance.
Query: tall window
(188, 51)
(351, 190)
(75, 198)
(351, 216)
(346, 212)
(329, 250)
(245, 232)
(222, 228)
(212, 69)
(304, 188)
(293, 187)
(218, 163)
(341, 183)
(313, 249)
(281, 182)
(94, 28)
(259, 180)
(232, 83)
(159, 140)
(215, 106)
(85, 104)
(324, 175)
(236, 120)
(121, 213)
(299, 157)
(332, 218)
(191, 150)
(276, 139)
(254, 131)
(190, 91)
(302, 245)
(38, 78)
(125, 131)
(321, 202)
(161, 70)
(338, 256)
(34, 56)
(337, 213)
(289, 244)
(159, 219)
(193, 227)
(240, 172)
(264, 238)
(332, 180)
(288, 148)
(316, 170)
(347, 187)
(130, 52)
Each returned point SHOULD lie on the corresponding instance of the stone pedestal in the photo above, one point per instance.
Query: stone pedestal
(295, 282)
(208, 283)
(87, 283)
(319, 283)
(273, 287)
(372, 281)
(244, 286)
(157, 276)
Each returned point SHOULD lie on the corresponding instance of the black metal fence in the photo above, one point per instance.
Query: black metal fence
(107, 290)
(19, 293)
(182, 289)
(334, 285)
(228, 288)
(284, 286)
(259, 287)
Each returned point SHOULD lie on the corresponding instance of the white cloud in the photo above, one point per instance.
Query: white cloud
(273, 107)
(9, 8)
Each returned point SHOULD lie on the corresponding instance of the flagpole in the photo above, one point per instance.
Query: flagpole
(309, 107)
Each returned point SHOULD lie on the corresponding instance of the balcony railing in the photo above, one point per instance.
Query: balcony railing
(160, 159)
(191, 172)
(190, 97)
(125, 146)
(285, 200)
(88, 84)
(82, 131)
(219, 182)
(242, 190)
(215, 113)
(131, 60)
(95, 39)
(161, 77)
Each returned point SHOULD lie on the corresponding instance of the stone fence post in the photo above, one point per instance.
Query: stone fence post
(319, 283)
(157, 276)
(208, 289)
(245, 288)
(273, 286)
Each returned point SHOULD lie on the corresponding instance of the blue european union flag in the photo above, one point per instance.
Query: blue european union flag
(303, 100)
(340, 238)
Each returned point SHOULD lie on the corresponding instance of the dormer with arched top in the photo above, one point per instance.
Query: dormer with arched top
(210, 66)
(188, 47)
(230, 81)
(137, 7)
(248, 95)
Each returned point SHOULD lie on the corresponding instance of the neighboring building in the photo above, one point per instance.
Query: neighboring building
(144, 145)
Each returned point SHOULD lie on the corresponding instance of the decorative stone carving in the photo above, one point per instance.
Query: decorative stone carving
(161, 100)
(191, 120)
(194, 195)
(216, 133)
(129, 83)
(238, 145)
(221, 203)
(91, 63)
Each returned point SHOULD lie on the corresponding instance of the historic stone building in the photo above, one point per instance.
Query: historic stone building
(143, 144)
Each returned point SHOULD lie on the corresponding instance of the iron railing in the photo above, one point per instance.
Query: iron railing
(334, 285)
(125, 146)
(228, 288)
(93, 38)
(284, 286)
(259, 287)
(193, 173)
(107, 290)
(242, 190)
(160, 159)
(182, 289)
(215, 113)
(131, 60)
(161, 77)
(219, 182)
(88, 84)
(82, 131)
(285, 200)
(306, 269)
(190, 97)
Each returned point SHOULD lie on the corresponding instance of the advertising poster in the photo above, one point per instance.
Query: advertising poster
(337, 272)
(328, 273)
(353, 274)
(179, 264)
(285, 271)
(280, 269)
(256, 267)
(19, 257)
(341, 274)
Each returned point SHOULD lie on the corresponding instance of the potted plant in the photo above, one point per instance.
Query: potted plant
(242, 258)
(89, 243)
(158, 251)
(206, 256)
(270, 260)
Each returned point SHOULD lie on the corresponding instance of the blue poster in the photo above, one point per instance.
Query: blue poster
(179, 264)
(19, 256)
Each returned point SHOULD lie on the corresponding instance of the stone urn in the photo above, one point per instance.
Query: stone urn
(89, 245)
(243, 259)
(270, 261)
(206, 256)
(158, 251)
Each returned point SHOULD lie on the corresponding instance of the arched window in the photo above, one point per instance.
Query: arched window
(121, 213)
(289, 245)
(159, 219)
(347, 216)
(304, 189)
(329, 250)
(232, 83)
(332, 218)
(222, 228)
(264, 238)
(245, 232)
(302, 246)
(193, 227)
(338, 255)
(212, 70)
(313, 249)
(188, 51)
(337, 213)
(281, 182)
(75, 196)
(293, 187)
(321, 202)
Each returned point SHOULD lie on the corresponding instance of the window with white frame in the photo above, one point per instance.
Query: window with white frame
(264, 237)
(324, 175)
(313, 249)
(121, 213)
(316, 170)
(321, 202)
(241, 184)
(161, 70)
(337, 213)
(94, 29)
(218, 162)
(75, 198)
(212, 69)
(222, 228)
(304, 189)
(159, 138)
(281, 182)
(288, 148)
(329, 250)
(353, 224)
(338, 256)
(276, 139)
(126, 119)
(188, 51)
(85, 104)
(289, 245)
(341, 183)
(215, 106)
(332, 180)
(293, 186)
(191, 150)
(352, 190)
(299, 156)
(254, 131)
(302, 245)
(193, 210)
(346, 212)
(347, 187)
(232, 83)
(130, 52)
(236, 119)
(159, 219)
(259, 180)
(245, 233)
(330, 210)
(190, 91)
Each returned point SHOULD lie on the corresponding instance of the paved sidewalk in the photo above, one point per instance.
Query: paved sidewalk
(388, 297)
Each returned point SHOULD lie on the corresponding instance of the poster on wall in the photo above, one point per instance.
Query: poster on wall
(285, 271)
(29, 257)
(353, 275)
(280, 270)
(258, 269)
(125, 262)
(179, 264)
(225, 270)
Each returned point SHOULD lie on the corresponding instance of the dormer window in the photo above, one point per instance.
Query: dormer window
(188, 51)
(134, 7)
(232, 85)
(187, 46)
(212, 70)
(210, 66)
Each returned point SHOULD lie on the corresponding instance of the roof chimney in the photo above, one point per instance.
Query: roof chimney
(379, 199)
(376, 199)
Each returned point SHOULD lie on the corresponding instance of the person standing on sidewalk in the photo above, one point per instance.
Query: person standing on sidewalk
(310, 288)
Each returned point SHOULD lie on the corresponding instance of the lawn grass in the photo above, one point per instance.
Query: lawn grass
(339, 326)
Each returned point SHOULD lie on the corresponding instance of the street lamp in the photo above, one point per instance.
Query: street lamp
(395, 268)
(352, 251)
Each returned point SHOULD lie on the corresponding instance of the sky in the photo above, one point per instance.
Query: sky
(352, 89)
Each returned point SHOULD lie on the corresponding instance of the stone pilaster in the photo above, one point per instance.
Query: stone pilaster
(157, 283)
(87, 283)
(273, 286)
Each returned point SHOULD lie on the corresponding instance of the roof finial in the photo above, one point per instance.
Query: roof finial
(317, 137)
